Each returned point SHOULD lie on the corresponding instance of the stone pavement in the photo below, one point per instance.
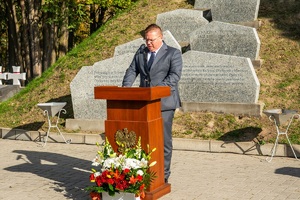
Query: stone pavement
(61, 171)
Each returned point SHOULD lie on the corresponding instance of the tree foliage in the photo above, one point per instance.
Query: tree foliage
(34, 33)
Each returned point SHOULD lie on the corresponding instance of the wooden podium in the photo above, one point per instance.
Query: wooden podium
(138, 110)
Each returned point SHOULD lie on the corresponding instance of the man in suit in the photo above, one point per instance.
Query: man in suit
(158, 65)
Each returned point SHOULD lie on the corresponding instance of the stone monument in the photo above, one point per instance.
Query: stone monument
(109, 72)
(87, 109)
(132, 47)
(231, 10)
(181, 22)
(226, 38)
(216, 79)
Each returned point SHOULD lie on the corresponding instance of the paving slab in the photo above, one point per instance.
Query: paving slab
(61, 171)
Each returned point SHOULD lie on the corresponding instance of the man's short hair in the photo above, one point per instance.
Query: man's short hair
(152, 27)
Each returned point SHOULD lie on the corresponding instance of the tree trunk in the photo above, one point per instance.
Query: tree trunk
(63, 33)
(34, 7)
(49, 54)
(14, 52)
(25, 41)
(101, 16)
(71, 39)
(93, 25)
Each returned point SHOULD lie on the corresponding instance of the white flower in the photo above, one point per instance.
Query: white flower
(143, 163)
(140, 172)
(131, 163)
(97, 174)
(95, 164)
(152, 164)
(138, 153)
(119, 161)
(108, 163)
(96, 161)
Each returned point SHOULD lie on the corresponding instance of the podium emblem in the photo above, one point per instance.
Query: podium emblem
(125, 139)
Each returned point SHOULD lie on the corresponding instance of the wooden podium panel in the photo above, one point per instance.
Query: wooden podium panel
(138, 110)
(131, 93)
(133, 110)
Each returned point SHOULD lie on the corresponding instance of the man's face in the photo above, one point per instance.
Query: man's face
(153, 39)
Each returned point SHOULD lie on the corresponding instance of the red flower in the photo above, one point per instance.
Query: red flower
(142, 187)
(122, 177)
(121, 185)
(116, 174)
(95, 196)
(139, 177)
(105, 173)
(142, 192)
(110, 181)
(99, 181)
(92, 177)
(133, 180)
(126, 171)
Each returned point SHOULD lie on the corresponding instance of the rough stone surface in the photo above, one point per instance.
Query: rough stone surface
(108, 72)
(230, 10)
(132, 46)
(209, 77)
(181, 22)
(225, 38)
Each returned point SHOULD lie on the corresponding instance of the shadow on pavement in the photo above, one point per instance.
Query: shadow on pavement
(247, 134)
(69, 174)
(291, 171)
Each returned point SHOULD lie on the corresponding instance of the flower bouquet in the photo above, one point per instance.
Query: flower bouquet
(121, 172)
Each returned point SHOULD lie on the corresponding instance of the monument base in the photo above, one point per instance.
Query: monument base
(85, 124)
(254, 109)
(254, 24)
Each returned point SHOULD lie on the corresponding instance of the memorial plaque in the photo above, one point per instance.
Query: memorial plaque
(228, 39)
(209, 77)
(231, 10)
(129, 47)
(109, 72)
(181, 22)
(133, 46)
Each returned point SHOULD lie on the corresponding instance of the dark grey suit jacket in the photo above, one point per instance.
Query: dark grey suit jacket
(165, 71)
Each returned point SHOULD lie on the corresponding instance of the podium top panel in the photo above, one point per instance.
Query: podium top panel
(131, 93)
